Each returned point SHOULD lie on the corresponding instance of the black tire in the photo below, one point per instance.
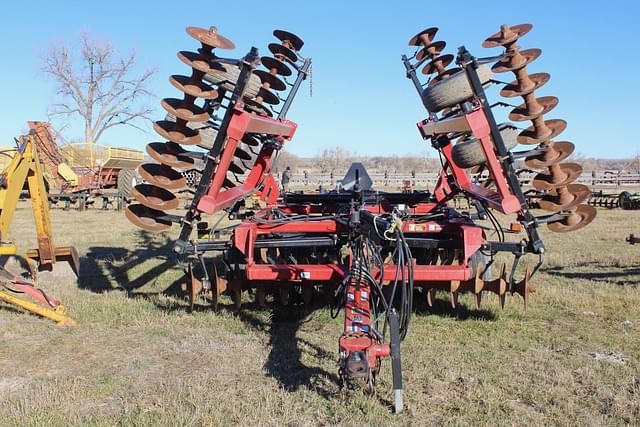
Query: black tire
(624, 200)
(468, 154)
(453, 90)
(127, 179)
(227, 80)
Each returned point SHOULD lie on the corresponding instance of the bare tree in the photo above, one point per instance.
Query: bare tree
(97, 85)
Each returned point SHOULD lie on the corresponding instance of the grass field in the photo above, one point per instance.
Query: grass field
(138, 358)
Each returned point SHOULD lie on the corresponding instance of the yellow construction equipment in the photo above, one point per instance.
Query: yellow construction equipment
(25, 171)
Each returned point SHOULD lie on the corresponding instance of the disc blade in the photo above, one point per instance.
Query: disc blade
(285, 36)
(530, 136)
(210, 37)
(146, 218)
(419, 39)
(279, 50)
(170, 154)
(434, 49)
(162, 176)
(274, 64)
(523, 111)
(506, 64)
(155, 197)
(507, 35)
(574, 195)
(578, 219)
(556, 152)
(177, 133)
(569, 172)
(197, 89)
(515, 89)
(274, 82)
(188, 112)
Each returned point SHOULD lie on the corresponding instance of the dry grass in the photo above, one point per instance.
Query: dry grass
(137, 358)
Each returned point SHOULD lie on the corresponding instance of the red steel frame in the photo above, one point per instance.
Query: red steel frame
(475, 121)
(357, 321)
(240, 124)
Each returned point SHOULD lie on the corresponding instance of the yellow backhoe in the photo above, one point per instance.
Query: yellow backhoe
(24, 171)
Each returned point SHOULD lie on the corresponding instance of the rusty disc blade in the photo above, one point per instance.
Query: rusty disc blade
(155, 197)
(285, 36)
(435, 48)
(190, 113)
(417, 39)
(431, 68)
(268, 97)
(162, 176)
(274, 82)
(522, 112)
(514, 89)
(177, 133)
(557, 152)
(274, 64)
(195, 61)
(255, 107)
(578, 219)
(576, 194)
(529, 136)
(547, 181)
(504, 65)
(198, 89)
(170, 154)
(146, 218)
(210, 37)
(498, 39)
(279, 50)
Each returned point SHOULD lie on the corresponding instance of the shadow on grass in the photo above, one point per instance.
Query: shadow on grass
(106, 268)
(285, 360)
(110, 268)
(622, 277)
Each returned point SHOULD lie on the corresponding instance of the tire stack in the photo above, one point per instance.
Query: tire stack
(450, 88)
(557, 179)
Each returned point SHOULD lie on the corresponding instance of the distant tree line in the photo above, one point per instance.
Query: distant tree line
(338, 160)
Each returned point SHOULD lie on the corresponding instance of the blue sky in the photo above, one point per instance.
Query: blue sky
(361, 99)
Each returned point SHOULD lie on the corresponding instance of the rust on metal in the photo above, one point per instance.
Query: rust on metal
(162, 176)
(581, 217)
(155, 197)
(184, 110)
(195, 88)
(276, 65)
(280, 52)
(424, 37)
(288, 39)
(146, 218)
(210, 37)
(273, 81)
(170, 154)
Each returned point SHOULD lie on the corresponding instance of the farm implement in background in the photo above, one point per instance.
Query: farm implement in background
(625, 200)
(79, 174)
(371, 251)
(25, 170)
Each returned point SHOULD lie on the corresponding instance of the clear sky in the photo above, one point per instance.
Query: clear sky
(361, 98)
